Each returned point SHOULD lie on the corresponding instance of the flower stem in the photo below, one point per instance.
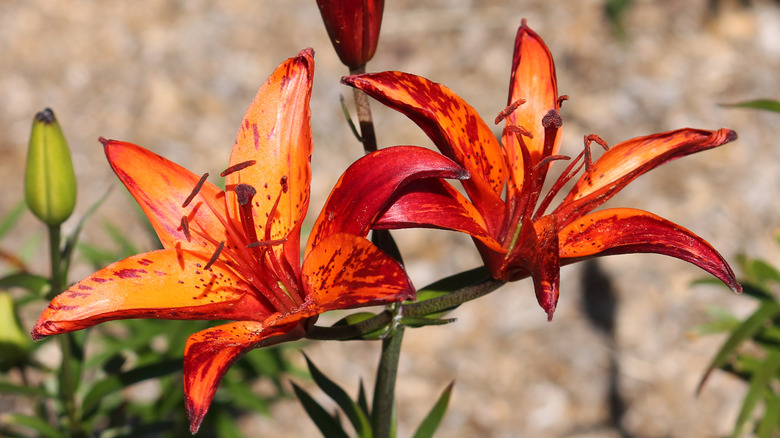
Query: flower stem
(383, 406)
(365, 119)
(67, 384)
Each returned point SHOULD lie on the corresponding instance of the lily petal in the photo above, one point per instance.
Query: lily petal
(368, 185)
(276, 134)
(626, 230)
(209, 354)
(624, 162)
(164, 284)
(454, 126)
(345, 271)
(433, 203)
(160, 187)
(533, 79)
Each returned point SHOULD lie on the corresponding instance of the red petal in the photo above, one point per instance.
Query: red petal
(625, 231)
(533, 79)
(452, 124)
(164, 284)
(626, 161)
(210, 353)
(276, 133)
(433, 203)
(160, 187)
(368, 185)
(345, 271)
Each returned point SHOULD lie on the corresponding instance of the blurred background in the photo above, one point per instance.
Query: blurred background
(619, 358)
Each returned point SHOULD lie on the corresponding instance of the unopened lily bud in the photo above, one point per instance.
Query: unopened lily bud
(14, 343)
(353, 28)
(50, 183)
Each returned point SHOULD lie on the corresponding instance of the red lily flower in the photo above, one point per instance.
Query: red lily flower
(235, 254)
(515, 237)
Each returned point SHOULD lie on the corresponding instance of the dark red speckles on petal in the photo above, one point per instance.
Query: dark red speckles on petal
(130, 273)
(145, 262)
(101, 280)
(84, 287)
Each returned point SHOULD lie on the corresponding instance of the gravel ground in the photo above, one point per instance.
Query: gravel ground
(176, 77)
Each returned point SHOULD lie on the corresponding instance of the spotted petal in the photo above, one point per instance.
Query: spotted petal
(455, 128)
(624, 162)
(626, 231)
(368, 185)
(276, 134)
(160, 187)
(164, 284)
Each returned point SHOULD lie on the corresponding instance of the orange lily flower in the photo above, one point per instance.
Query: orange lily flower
(235, 254)
(505, 215)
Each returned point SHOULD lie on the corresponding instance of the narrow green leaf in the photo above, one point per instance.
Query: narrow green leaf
(120, 381)
(356, 416)
(226, 425)
(36, 284)
(770, 423)
(432, 421)
(722, 321)
(767, 310)
(329, 426)
(31, 391)
(362, 400)
(37, 424)
(12, 218)
(421, 321)
(763, 104)
(241, 395)
(758, 385)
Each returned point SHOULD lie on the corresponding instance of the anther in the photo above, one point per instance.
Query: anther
(103, 140)
(185, 227)
(549, 159)
(267, 243)
(517, 129)
(195, 191)
(245, 193)
(215, 256)
(552, 119)
(561, 99)
(237, 167)
(592, 138)
(508, 110)
(283, 182)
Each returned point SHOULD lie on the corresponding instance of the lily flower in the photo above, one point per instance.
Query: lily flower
(505, 211)
(235, 254)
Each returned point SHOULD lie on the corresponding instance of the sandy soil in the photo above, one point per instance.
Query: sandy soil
(176, 77)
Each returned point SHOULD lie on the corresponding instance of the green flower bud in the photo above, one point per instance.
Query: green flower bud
(50, 183)
(14, 343)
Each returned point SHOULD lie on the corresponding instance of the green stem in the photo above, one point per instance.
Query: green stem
(383, 406)
(365, 119)
(67, 384)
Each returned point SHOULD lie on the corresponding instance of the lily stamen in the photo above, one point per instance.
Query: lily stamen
(185, 227)
(215, 256)
(506, 112)
(195, 191)
(517, 129)
(237, 167)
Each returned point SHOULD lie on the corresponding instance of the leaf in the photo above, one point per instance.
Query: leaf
(362, 400)
(747, 329)
(38, 424)
(758, 271)
(70, 243)
(24, 390)
(722, 321)
(328, 425)
(758, 385)
(356, 416)
(433, 419)
(12, 218)
(421, 321)
(226, 425)
(241, 395)
(771, 420)
(120, 381)
(762, 104)
(33, 283)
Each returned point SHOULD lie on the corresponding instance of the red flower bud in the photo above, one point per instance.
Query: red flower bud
(353, 28)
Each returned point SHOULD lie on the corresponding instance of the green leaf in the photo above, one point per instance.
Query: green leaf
(70, 243)
(432, 421)
(328, 425)
(767, 310)
(422, 321)
(356, 415)
(722, 321)
(12, 218)
(37, 424)
(36, 284)
(31, 391)
(362, 400)
(241, 395)
(120, 381)
(226, 425)
(762, 104)
(770, 423)
(758, 385)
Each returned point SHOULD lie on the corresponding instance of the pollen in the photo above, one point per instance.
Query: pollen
(185, 227)
(506, 112)
(237, 167)
(215, 256)
(195, 191)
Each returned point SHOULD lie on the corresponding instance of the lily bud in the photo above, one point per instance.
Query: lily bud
(50, 183)
(14, 343)
(353, 28)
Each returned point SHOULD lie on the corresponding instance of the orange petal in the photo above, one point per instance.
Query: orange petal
(164, 284)
(454, 126)
(345, 271)
(276, 134)
(626, 231)
(624, 162)
(368, 185)
(433, 203)
(210, 353)
(160, 187)
(533, 79)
